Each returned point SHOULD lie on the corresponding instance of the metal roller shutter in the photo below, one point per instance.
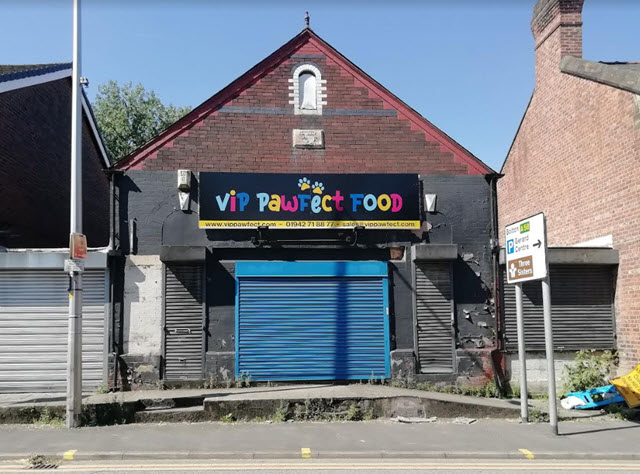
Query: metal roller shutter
(434, 318)
(581, 309)
(183, 322)
(312, 327)
(34, 314)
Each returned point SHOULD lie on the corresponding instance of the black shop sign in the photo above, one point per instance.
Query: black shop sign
(309, 201)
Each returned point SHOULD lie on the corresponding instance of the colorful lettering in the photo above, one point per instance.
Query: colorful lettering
(263, 200)
(325, 206)
(274, 203)
(396, 202)
(291, 206)
(356, 200)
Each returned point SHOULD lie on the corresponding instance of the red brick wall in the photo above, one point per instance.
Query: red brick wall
(577, 158)
(262, 142)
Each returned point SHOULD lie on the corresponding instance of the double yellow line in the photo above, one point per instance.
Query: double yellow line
(311, 465)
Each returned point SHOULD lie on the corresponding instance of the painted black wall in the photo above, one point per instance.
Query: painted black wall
(463, 217)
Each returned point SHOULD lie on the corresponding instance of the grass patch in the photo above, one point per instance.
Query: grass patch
(50, 418)
(621, 412)
(537, 416)
(489, 390)
(228, 418)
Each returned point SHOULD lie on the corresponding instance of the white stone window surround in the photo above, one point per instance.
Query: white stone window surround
(294, 88)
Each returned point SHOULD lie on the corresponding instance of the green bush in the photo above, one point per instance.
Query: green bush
(590, 369)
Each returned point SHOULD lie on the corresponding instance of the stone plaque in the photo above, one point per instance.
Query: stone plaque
(308, 138)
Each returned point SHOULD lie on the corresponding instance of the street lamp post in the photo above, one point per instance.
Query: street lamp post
(74, 356)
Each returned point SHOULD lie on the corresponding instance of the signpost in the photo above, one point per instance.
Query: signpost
(526, 260)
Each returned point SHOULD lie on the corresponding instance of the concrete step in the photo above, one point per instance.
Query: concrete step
(294, 402)
(172, 415)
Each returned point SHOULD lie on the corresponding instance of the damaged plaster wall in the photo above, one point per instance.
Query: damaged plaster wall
(143, 305)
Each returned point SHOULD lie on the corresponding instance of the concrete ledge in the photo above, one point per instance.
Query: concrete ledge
(47, 259)
(577, 256)
(435, 252)
(183, 254)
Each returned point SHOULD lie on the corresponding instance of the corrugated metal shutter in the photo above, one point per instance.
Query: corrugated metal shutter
(34, 314)
(297, 328)
(184, 322)
(434, 332)
(581, 309)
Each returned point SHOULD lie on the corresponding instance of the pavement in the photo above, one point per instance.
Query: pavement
(442, 439)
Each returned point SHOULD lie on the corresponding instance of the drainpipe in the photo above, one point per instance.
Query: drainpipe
(495, 249)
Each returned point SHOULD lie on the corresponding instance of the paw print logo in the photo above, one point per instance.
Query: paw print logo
(318, 188)
(304, 184)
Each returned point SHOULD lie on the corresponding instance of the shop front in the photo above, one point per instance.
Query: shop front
(286, 232)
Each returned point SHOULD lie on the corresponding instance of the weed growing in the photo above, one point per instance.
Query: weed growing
(590, 369)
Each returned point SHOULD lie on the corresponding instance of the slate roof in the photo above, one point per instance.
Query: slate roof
(625, 76)
(11, 72)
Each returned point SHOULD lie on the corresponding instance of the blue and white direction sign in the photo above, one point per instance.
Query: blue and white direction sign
(526, 250)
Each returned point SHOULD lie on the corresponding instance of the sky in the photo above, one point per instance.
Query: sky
(467, 66)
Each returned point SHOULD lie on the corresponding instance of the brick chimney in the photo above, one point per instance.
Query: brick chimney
(557, 30)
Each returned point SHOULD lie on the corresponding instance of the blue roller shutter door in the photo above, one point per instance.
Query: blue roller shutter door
(312, 320)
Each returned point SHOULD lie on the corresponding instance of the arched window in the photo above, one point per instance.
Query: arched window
(307, 90)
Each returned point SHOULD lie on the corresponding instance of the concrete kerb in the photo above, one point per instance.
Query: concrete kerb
(289, 455)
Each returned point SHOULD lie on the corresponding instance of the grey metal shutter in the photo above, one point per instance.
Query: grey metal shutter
(183, 322)
(434, 317)
(34, 309)
(581, 309)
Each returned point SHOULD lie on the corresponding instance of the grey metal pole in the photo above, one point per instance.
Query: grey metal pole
(522, 356)
(74, 356)
(548, 344)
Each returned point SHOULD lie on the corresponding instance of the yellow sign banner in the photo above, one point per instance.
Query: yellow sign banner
(347, 224)
(629, 387)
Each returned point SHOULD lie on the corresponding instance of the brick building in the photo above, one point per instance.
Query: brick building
(576, 157)
(354, 295)
(35, 180)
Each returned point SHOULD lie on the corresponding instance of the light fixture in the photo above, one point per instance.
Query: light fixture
(430, 202)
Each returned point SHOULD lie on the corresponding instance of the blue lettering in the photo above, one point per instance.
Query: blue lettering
(243, 200)
(315, 203)
(222, 203)
(263, 200)
(304, 201)
(370, 202)
(356, 200)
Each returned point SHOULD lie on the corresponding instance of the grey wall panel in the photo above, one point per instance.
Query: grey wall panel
(34, 308)
(581, 309)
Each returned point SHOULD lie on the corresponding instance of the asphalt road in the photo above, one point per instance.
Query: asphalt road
(340, 466)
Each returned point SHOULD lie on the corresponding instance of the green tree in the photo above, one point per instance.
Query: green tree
(129, 116)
